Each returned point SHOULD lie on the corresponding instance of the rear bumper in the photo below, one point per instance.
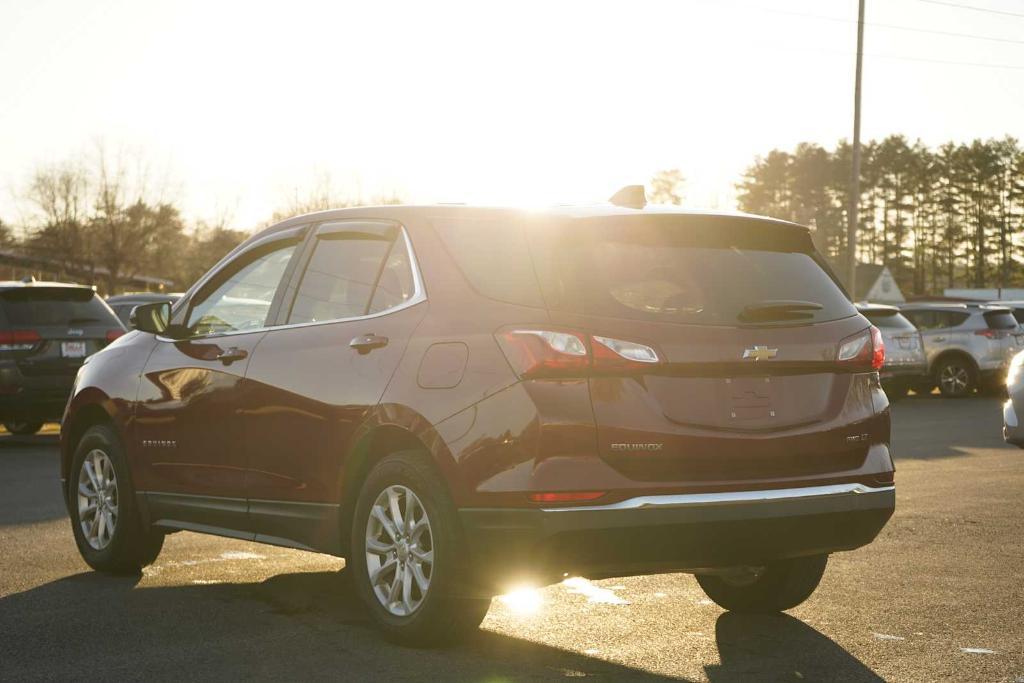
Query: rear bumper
(686, 532)
(903, 371)
(24, 397)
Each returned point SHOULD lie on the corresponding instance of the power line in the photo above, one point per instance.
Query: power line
(896, 27)
(973, 8)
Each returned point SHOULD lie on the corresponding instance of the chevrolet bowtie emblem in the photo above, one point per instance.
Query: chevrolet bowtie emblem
(760, 353)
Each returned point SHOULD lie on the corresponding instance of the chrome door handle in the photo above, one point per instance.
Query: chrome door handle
(368, 342)
(229, 356)
(939, 339)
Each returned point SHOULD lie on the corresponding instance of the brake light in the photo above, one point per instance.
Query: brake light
(114, 334)
(565, 496)
(864, 349)
(544, 353)
(18, 340)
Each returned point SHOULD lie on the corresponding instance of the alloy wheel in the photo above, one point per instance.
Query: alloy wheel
(954, 379)
(399, 550)
(97, 499)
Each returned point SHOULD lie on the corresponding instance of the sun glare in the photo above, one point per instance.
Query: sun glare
(523, 600)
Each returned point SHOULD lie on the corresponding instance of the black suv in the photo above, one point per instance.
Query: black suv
(47, 329)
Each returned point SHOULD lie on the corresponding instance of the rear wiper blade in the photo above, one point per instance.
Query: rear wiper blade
(779, 309)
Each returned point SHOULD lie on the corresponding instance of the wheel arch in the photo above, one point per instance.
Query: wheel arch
(85, 416)
(953, 353)
(371, 447)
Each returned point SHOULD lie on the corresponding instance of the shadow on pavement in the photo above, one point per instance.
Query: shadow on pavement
(292, 626)
(30, 479)
(921, 422)
(779, 647)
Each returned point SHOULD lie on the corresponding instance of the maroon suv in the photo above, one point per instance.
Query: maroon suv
(461, 399)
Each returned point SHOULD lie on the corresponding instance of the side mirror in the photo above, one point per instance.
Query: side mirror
(152, 318)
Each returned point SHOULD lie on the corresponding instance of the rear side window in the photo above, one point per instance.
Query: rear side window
(355, 270)
(952, 318)
(41, 306)
(888, 320)
(494, 257)
(1000, 320)
(682, 270)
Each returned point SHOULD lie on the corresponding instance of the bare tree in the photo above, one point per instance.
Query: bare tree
(322, 195)
(60, 195)
(666, 187)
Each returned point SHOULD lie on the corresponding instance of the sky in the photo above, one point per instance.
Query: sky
(236, 106)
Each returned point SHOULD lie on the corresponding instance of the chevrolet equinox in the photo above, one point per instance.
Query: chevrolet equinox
(458, 400)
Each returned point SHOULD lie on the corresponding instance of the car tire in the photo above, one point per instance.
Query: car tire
(956, 377)
(406, 492)
(101, 495)
(23, 428)
(778, 586)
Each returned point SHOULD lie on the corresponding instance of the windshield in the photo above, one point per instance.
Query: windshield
(888, 320)
(664, 271)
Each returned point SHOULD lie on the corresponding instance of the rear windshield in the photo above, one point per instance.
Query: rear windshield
(888, 320)
(40, 306)
(686, 270)
(1000, 320)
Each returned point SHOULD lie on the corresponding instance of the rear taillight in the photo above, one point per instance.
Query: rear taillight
(114, 334)
(534, 352)
(18, 340)
(863, 350)
(993, 334)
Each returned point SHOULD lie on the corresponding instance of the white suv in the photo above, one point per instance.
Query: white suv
(968, 345)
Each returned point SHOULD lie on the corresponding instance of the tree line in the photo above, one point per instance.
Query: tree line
(101, 219)
(946, 217)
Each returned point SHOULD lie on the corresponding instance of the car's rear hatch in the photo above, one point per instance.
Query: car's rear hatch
(50, 330)
(747, 322)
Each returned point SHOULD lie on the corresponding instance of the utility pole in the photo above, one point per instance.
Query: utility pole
(851, 228)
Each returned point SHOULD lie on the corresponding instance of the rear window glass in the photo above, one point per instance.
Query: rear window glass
(40, 306)
(494, 256)
(1000, 320)
(699, 271)
(888, 320)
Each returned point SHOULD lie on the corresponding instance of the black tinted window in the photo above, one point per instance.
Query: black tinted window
(341, 276)
(952, 318)
(1000, 320)
(926, 320)
(395, 285)
(39, 306)
(888, 320)
(664, 270)
(494, 257)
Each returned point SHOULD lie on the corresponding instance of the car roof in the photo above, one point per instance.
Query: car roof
(6, 285)
(952, 306)
(141, 296)
(397, 211)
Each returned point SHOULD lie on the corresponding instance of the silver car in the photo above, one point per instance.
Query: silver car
(906, 366)
(969, 346)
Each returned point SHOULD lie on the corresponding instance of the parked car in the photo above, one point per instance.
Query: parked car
(905, 363)
(124, 304)
(47, 329)
(459, 400)
(1013, 407)
(968, 345)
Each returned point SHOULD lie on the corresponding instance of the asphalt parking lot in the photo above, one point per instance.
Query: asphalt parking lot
(939, 596)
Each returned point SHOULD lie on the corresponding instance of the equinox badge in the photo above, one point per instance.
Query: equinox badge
(760, 353)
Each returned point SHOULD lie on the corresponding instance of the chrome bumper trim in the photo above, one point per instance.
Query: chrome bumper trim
(730, 497)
